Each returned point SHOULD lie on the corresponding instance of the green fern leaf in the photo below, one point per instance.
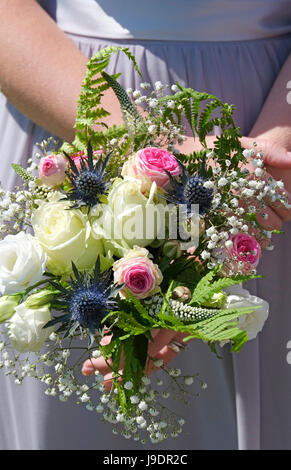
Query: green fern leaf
(205, 288)
(90, 110)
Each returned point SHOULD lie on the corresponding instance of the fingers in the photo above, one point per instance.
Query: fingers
(166, 354)
(274, 154)
(281, 174)
(108, 380)
(161, 339)
(91, 365)
(278, 158)
(271, 222)
(158, 349)
(278, 208)
(283, 213)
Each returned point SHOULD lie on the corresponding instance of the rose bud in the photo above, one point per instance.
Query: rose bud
(52, 170)
(182, 293)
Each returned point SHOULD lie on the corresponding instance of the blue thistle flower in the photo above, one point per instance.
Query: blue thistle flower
(189, 190)
(87, 300)
(88, 183)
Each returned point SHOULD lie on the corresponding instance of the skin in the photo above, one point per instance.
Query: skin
(48, 96)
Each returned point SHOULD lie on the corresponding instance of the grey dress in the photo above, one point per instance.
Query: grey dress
(248, 401)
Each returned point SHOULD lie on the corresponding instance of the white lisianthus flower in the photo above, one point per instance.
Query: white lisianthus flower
(65, 236)
(130, 218)
(25, 328)
(22, 262)
(253, 322)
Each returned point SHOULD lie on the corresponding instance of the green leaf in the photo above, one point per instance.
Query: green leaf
(139, 307)
(90, 110)
(134, 361)
(122, 397)
(128, 323)
(205, 288)
(140, 344)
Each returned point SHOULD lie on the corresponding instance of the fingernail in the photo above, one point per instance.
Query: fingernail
(88, 369)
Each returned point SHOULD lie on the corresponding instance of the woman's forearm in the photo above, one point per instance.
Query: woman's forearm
(274, 121)
(41, 70)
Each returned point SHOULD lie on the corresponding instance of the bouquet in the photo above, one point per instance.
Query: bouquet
(119, 235)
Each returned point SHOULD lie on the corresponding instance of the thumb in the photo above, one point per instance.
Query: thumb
(278, 158)
(275, 155)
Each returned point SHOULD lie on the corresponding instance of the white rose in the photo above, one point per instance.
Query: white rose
(65, 235)
(129, 218)
(22, 262)
(25, 328)
(253, 322)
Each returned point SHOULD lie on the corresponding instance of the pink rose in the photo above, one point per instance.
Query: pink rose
(141, 276)
(149, 165)
(244, 253)
(52, 170)
(77, 157)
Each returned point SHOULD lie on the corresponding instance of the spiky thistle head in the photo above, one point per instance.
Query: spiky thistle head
(86, 301)
(88, 181)
(189, 190)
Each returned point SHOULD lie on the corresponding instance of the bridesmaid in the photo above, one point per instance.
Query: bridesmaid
(241, 56)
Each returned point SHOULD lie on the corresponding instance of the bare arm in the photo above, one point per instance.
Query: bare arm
(274, 121)
(41, 70)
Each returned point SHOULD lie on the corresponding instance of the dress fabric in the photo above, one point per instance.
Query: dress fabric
(247, 403)
(191, 20)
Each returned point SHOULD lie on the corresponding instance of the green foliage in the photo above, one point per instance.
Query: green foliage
(112, 351)
(206, 288)
(167, 297)
(203, 112)
(185, 271)
(128, 323)
(141, 311)
(90, 111)
(223, 327)
(135, 356)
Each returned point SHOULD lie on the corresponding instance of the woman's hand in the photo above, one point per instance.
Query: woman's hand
(278, 163)
(160, 348)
